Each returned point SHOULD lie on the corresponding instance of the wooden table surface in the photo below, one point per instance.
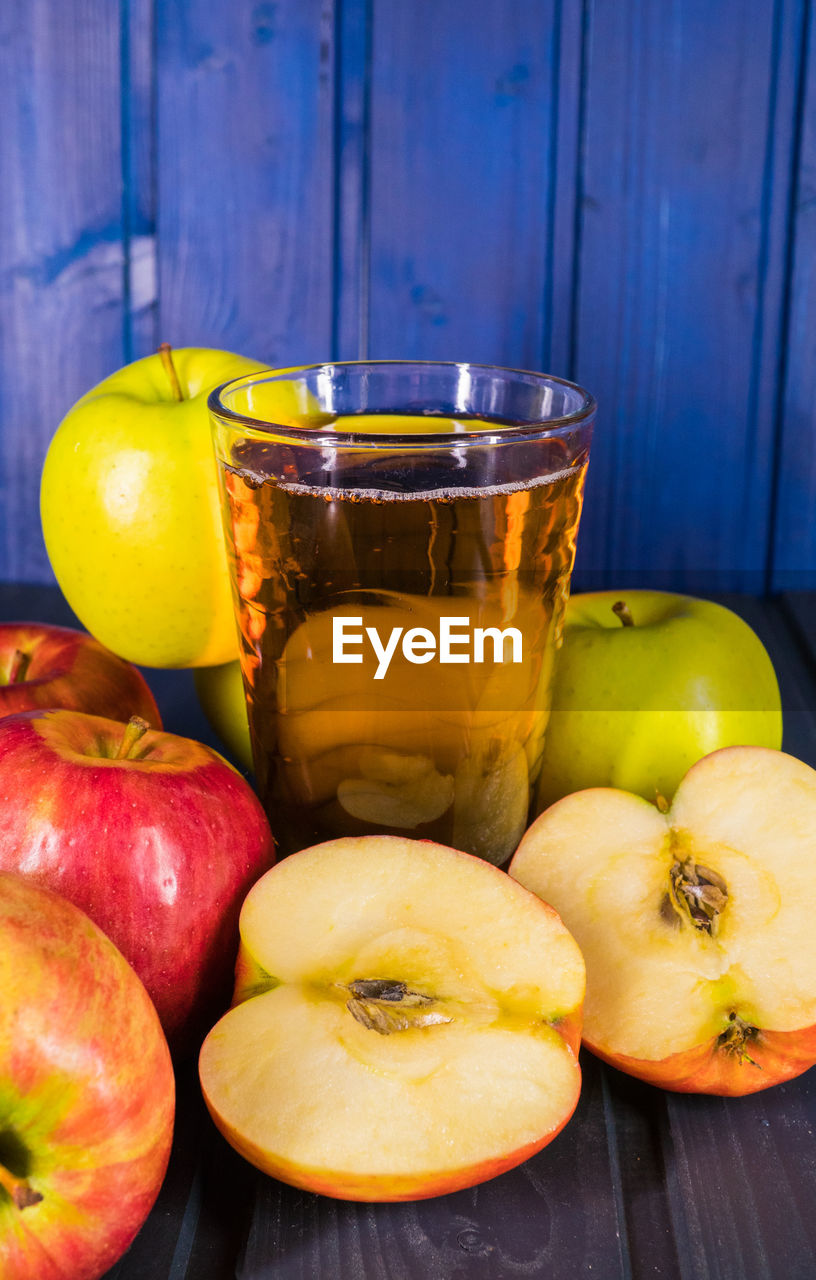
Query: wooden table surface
(640, 1184)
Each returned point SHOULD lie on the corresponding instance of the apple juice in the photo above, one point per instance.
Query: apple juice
(440, 735)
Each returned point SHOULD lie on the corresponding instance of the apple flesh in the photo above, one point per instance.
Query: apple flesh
(642, 692)
(406, 1022)
(86, 1092)
(155, 836)
(48, 666)
(696, 924)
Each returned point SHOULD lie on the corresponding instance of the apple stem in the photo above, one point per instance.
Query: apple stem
(19, 667)
(166, 353)
(134, 729)
(22, 1193)
(623, 611)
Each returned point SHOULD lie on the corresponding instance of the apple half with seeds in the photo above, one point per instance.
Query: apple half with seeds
(697, 924)
(406, 1022)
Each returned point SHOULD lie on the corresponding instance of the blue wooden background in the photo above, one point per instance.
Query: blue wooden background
(618, 191)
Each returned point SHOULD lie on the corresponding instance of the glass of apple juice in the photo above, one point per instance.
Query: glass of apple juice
(401, 537)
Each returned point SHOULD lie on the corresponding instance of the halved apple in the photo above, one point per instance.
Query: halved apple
(696, 924)
(406, 1022)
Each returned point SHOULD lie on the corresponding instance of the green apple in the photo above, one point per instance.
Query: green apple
(221, 694)
(130, 511)
(643, 691)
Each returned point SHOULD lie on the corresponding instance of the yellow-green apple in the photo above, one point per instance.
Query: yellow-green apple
(221, 695)
(696, 924)
(130, 511)
(47, 666)
(405, 1023)
(86, 1092)
(155, 836)
(648, 682)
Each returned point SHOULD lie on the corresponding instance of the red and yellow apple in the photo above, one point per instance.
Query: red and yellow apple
(47, 666)
(646, 683)
(130, 511)
(86, 1092)
(405, 1023)
(155, 836)
(696, 924)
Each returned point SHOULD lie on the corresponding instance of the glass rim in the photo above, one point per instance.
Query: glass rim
(492, 433)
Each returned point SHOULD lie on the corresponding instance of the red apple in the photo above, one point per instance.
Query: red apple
(46, 666)
(696, 924)
(86, 1092)
(155, 836)
(406, 1022)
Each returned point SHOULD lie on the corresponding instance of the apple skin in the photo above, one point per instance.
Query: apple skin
(159, 849)
(349, 1186)
(220, 692)
(86, 1089)
(130, 513)
(635, 706)
(778, 1056)
(68, 668)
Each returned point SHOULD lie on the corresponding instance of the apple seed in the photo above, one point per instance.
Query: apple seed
(697, 893)
(382, 1004)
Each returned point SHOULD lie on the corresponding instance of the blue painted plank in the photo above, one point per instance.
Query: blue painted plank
(62, 265)
(139, 165)
(685, 188)
(464, 131)
(352, 176)
(794, 565)
(245, 176)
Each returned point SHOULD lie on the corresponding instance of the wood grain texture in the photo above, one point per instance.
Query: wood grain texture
(352, 211)
(641, 1185)
(245, 176)
(731, 1220)
(139, 122)
(794, 546)
(689, 125)
(61, 251)
(464, 125)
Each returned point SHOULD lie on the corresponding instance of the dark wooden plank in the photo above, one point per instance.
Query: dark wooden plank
(554, 1217)
(61, 270)
(637, 1121)
(685, 187)
(797, 677)
(799, 608)
(743, 1177)
(464, 131)
(245, 191)
(794, 564)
